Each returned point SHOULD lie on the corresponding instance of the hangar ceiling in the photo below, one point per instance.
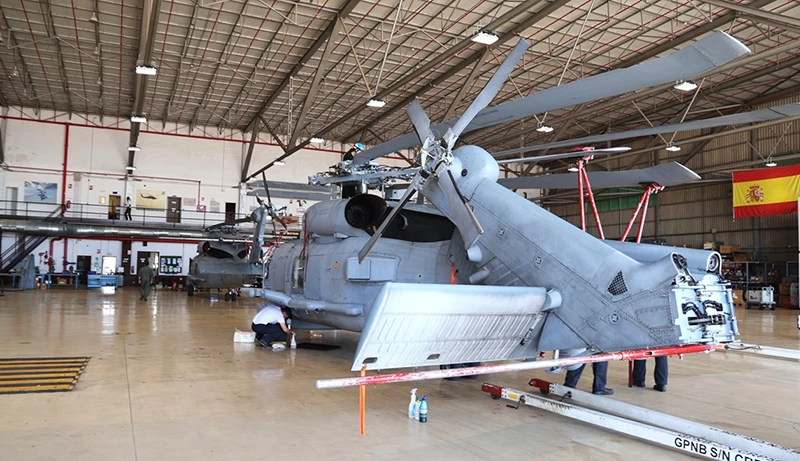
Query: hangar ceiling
(224, 63)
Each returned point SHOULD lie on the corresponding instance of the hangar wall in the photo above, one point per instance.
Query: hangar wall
(689, 216)
(204, 167)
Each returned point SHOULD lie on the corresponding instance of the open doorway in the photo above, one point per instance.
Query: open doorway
(109, 265)
(147, 257)
(114, 202)
(12, 195)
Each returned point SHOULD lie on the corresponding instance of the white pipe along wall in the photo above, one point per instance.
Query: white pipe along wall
(203, 170)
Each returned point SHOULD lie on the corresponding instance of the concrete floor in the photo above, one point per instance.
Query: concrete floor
(167, 382)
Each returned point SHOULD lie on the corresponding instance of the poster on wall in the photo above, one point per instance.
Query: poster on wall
(153, 200)
(41, 192)
(189, 203)
(214, 206)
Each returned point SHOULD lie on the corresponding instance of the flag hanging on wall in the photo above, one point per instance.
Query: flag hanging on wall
(766, 191)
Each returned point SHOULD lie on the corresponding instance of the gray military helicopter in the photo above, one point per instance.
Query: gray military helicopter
(478, 273)
(226, 265)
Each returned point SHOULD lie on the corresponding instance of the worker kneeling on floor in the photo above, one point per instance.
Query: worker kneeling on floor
(269, 324)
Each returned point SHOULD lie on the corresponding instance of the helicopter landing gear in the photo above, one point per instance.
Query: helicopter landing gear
(231, 295)
(190, 290)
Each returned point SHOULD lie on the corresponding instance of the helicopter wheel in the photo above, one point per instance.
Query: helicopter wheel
(233, 296)
(190, 290)
(227, 296)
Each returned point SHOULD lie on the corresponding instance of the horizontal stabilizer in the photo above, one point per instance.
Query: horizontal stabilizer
(413, 325)
(667, 174)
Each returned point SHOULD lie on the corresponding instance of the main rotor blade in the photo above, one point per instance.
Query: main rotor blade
(577, 153)
(374, 239)
(367, 176)
(488, 92)
(420, 121)
(697, 58)
(667, 174)
(266, 188)
(762, 115)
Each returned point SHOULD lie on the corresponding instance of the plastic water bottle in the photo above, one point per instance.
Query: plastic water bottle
(413, 403)
(423, 410)
(417, 404)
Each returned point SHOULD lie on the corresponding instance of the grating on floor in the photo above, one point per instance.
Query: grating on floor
(46, 374)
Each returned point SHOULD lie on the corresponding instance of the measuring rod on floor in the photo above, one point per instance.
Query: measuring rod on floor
(763, 350)
(660, 428)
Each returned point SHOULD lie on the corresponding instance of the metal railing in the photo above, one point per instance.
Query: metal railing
(101, 214)
(26, 243)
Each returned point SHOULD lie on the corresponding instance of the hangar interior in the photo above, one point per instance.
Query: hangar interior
(140, 133)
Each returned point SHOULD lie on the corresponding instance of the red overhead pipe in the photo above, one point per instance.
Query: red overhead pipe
(180, 135)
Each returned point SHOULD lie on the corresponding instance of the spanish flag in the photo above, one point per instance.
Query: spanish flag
(766, 191)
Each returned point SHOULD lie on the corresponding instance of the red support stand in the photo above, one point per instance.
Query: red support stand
(583, 180)
(649, 189)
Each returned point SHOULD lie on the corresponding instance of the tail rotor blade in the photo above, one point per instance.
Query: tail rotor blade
(487, 93)
(377, 235)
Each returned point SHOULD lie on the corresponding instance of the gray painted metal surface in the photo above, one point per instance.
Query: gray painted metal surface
(666, 174)
(525, 280)
(468, 324)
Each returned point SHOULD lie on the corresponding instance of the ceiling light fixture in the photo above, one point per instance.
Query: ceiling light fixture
(316, 140)
(673, 148)
(146, 70)
(15, 72)
(96, 51)
(771, 163)
(138, 119)
(573, 169)
(94, 18)
(542, 128)
(134, 148)
(130, 168)
(485, 37)
(279, 162)
(685, 86)
(376, 103)
(99, 81)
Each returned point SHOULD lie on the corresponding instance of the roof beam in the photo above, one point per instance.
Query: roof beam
(147, 38)
(209, 87)
(274, 136)
(466, 86)
(25, 75)
(184, 50)
(472, 58)
(322, 69)
(328, 32)
(249, 156)
(536, 17)
(752, 10)
(47, 14)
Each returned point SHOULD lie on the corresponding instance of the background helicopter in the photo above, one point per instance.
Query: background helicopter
(225, 265)
(482, 274)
